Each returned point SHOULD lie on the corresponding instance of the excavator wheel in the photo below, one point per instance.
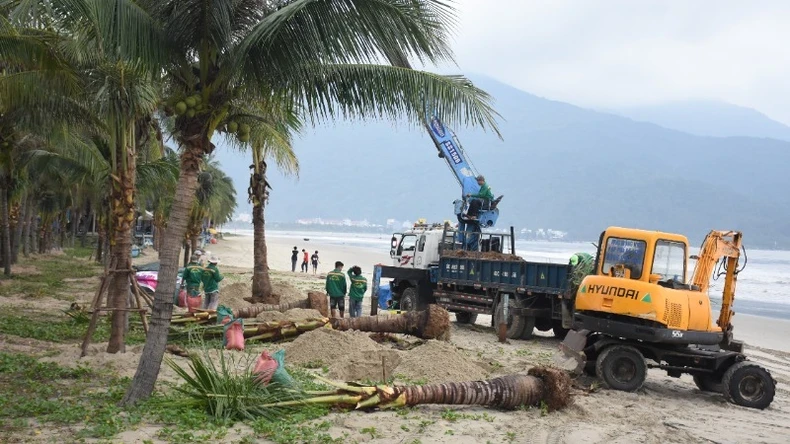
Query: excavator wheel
(621, 367)
(708, 383)
(408, 299)
(749, 385)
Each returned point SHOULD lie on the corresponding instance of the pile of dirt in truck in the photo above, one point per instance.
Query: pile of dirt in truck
(487, 255)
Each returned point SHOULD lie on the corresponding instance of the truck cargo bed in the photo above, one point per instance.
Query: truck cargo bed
(516, 275)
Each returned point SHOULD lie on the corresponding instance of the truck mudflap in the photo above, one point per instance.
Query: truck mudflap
(573, 358)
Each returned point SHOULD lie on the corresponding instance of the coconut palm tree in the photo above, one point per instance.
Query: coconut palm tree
(215, 202)
(320, 57)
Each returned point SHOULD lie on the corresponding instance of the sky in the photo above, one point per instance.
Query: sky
(620, 53)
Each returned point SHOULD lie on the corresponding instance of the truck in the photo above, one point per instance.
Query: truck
(434, 264)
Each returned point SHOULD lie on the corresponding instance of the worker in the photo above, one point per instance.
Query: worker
(305, 260)
(478, 199)
(359, 285)
(582, 258)
(211, 278)
(336, 288)
(193, 276)
(294, 258)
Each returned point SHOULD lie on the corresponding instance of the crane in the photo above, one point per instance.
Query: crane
(452, 152)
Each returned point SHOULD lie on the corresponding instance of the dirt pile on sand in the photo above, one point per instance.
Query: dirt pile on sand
(233, 295)
(327, 347)
(438, 361)
(271, 316)
(371, 366)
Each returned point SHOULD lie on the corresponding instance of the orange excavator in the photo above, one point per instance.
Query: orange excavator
(637, 310)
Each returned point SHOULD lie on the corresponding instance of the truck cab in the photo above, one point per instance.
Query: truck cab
(417, 248)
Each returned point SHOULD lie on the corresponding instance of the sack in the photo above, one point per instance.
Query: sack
(234, 335)
(182, 298)
(281, 375)
(264, 368)
(194, 302)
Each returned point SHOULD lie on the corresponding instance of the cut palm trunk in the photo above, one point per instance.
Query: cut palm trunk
(272, 331)
(432, 323)
(541, 385)
(315, 301)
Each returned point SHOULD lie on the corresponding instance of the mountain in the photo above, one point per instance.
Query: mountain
(709, 118)
(560, 166)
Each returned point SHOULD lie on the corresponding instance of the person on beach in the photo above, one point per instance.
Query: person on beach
(294, 258)
(359, 286)
(336, 288)
(211, 277)
(314, 260)
(193, 276)
(305, 260)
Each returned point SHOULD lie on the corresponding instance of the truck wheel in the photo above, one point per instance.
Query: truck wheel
(515, 324)
(408, 299)
(529, 327)
(707, 383)
(621, 367)
(465, 317)
(558, 330)
(749, 385)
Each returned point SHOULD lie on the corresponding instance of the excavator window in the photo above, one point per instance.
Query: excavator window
(626, 252)
(669, 261)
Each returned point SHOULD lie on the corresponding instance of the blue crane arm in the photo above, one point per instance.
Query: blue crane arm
(450, 149)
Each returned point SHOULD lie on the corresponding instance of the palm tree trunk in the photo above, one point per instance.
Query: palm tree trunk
(433, 323)
(100, 242)
(6, 231)
(122, 226)
(151, 359)
(261, 284)
(34, 232)
(29, 213)
(186, 253)
(21, 220)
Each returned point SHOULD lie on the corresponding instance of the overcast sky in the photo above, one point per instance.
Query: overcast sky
(614, 53)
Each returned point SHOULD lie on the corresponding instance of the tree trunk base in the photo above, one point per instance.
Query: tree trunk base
(433, 323)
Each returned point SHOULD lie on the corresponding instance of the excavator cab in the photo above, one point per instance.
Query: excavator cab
(639, 310)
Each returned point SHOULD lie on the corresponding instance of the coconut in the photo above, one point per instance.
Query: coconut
(181, 108)
(190, 101)
(191, 113)
(198, 99)
(244, 137)
(244, 128)
(233, 127)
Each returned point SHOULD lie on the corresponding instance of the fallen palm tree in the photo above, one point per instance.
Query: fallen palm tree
(315, 300)
(432, 323)
(541, 386)
(263, 331)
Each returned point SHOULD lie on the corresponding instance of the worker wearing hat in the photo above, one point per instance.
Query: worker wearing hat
(193, 275)
(477, 199)
(211, 278)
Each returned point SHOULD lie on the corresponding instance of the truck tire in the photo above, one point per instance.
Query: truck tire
(529, 327)
(749, 385)
(409, 299)
(621, 367)
(515, 324)
(707, 383)
(465, 317)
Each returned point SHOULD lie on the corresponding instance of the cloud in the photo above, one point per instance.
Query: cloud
(622, 52)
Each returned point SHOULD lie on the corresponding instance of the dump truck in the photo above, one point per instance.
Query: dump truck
(435, 264)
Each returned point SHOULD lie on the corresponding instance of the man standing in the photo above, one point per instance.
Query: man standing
(357, 292)
(211, 277)
(305, 260)
(294, 258)
(193, 276)
(336, 288)
(314, 260)
(477, 199)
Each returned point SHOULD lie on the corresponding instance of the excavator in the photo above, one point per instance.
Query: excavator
(450, 149)
(637, 311)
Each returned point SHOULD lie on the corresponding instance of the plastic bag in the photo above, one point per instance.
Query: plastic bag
(224, 315)
(182, 298)
(281, 375)
(194, 302)
(234, 335)
(265, 368)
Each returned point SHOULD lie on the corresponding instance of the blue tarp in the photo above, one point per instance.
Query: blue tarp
(384, 295)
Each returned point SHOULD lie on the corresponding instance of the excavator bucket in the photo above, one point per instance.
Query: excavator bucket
(573, 358)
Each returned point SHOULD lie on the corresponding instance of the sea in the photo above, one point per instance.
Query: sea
(761, 291)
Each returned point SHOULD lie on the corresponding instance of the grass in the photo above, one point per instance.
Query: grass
(48, 278)
(29, 323)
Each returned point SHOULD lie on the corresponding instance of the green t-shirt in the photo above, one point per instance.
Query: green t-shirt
(336, 284)
(358, 286)
(211, 277)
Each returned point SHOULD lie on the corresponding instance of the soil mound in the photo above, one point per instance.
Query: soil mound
(376, 366)
(438, 361)
(233, 295)
(300, 314)
(327, 347)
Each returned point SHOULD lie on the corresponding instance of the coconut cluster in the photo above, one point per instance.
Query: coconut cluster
(189, 106)
(242, 131)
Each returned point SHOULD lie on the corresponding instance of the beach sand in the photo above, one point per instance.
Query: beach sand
(664, 410)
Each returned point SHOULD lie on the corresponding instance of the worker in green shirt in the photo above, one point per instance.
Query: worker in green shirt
(476, 200)
(211, 277)
(336, 288)
(193, 276)
(359, 286)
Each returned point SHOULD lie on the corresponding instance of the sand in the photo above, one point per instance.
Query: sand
(438, 361)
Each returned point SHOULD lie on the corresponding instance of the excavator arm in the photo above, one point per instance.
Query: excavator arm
(720, 246)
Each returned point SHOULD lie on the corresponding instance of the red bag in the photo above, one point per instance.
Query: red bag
(234, 336)
(194, 302)
(182, 298)
(264, 368)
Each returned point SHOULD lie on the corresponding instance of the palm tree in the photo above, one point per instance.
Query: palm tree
(319, 57)
(215, 202)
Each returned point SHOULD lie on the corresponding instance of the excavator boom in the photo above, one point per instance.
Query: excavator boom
(720, 245)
